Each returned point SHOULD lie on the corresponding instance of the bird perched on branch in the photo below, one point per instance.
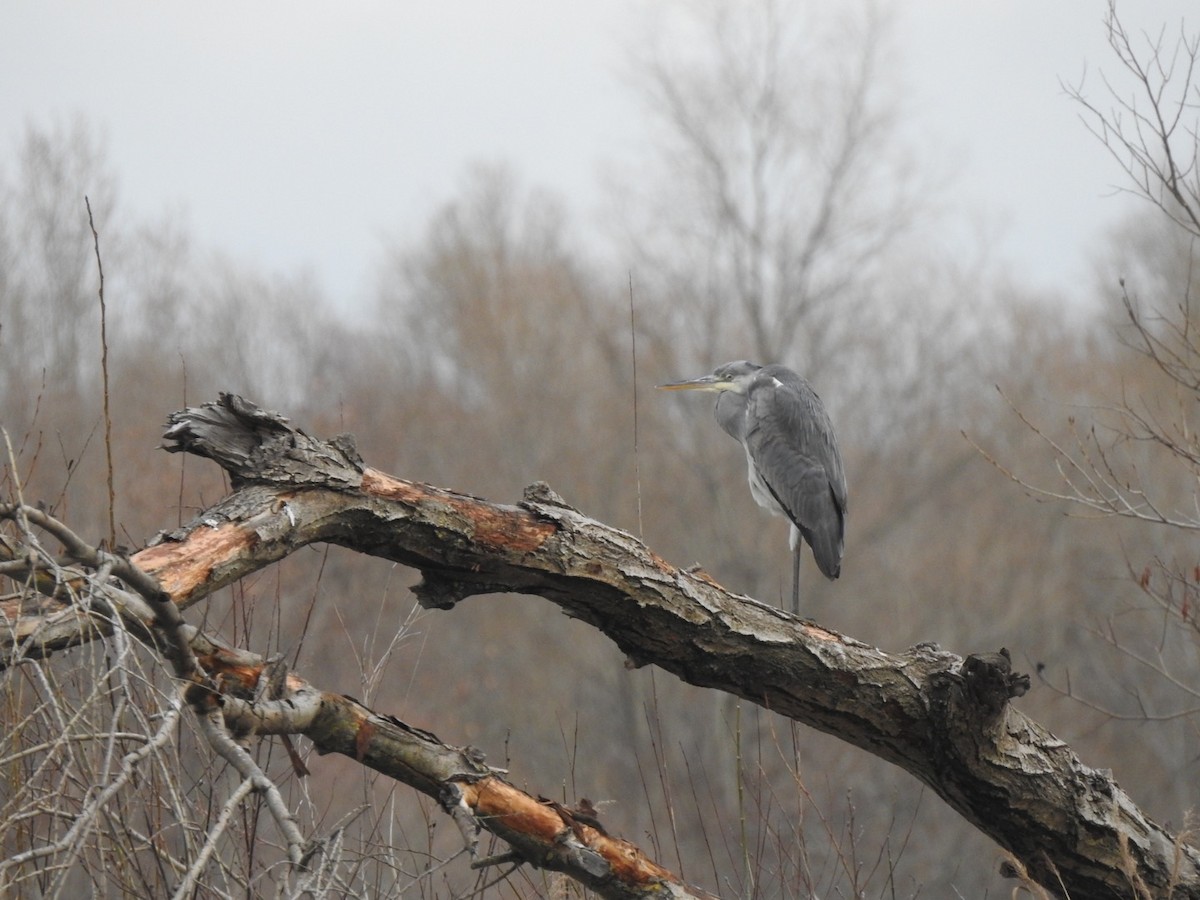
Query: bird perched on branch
(795, 464)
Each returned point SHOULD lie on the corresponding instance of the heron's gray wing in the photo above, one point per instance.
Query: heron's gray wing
(790, 439)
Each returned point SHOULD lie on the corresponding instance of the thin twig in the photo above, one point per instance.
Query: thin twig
(112, 494)
(637, 471)
(188, 884)
(129, 765)
(166, 614)
(212, 725)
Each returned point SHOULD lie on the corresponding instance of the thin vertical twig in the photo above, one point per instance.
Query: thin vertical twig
(637, 470)
(112, 494)
(183, 460)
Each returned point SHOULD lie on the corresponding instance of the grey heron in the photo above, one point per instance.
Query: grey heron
(795, 464)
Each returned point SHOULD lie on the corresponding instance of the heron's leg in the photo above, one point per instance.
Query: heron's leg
(796, 579)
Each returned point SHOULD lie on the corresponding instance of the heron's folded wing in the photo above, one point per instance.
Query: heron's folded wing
(790, 439)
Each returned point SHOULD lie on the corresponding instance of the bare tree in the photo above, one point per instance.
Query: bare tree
(1151, 129)
(1126, 461)
(783, 182)
(1136, 457)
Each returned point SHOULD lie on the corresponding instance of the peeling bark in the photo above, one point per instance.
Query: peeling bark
(540, 832)
(945, 719)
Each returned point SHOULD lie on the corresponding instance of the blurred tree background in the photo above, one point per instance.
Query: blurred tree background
(777, 215)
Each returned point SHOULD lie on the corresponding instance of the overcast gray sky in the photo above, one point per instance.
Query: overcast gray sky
(304, 134)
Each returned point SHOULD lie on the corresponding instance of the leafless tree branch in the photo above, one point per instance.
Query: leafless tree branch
(1152, 134)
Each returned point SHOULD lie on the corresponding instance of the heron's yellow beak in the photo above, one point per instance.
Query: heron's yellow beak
(703, 383)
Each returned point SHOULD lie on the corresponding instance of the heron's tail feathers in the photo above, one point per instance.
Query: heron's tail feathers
(827, 551)
(822, 524)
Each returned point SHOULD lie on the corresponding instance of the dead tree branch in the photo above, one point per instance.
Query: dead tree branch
(945, 719)
(226, 688)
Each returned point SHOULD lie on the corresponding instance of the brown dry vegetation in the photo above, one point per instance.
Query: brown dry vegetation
(496, 352)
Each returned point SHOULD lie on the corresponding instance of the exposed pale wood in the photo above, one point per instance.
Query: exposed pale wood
(541, 833)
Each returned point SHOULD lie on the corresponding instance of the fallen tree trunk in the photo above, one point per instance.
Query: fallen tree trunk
(945, 719)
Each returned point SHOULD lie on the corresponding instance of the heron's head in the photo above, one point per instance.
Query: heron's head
(732, 376)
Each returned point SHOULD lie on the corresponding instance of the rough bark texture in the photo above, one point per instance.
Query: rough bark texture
(945, 719)
(542, 833)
